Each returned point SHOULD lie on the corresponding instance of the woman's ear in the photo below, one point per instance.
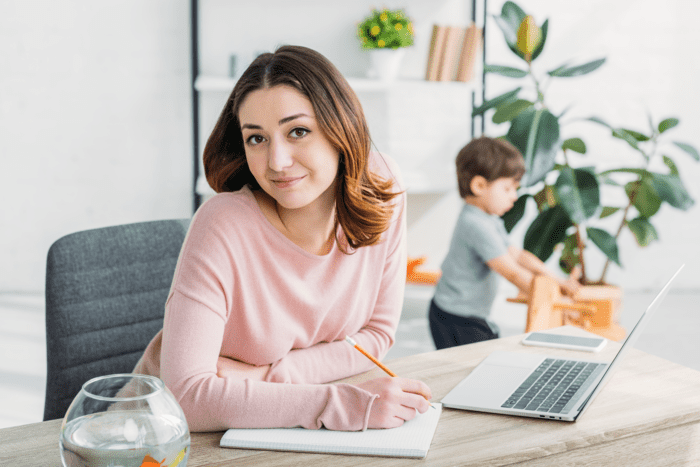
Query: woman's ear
(478, 185)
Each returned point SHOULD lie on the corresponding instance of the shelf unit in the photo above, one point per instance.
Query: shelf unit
(427, 179)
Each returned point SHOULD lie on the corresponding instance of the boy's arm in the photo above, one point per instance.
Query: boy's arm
(535, 265)
(507, 266)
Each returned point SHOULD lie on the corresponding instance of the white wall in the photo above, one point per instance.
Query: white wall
(652, 64)
(94, 122)
(95, 117)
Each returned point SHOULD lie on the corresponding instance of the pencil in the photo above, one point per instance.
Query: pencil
(374, 360)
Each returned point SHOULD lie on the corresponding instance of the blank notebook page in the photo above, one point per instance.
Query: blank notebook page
(412, 439)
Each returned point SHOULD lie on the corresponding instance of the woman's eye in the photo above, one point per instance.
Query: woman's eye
(299, 132)
(254, 140)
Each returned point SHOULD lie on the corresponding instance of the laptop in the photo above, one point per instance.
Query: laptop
(541, 386)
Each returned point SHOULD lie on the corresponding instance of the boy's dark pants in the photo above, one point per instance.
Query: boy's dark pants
(450, 330)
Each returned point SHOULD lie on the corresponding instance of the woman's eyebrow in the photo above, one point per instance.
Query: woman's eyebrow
(281, 122)
(291, 117)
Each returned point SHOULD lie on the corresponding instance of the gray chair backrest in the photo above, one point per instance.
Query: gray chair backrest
(105, 300)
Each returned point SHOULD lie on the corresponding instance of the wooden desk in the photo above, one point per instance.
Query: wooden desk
(647, 415)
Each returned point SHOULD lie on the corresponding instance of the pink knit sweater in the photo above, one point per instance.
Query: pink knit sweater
(243, 290)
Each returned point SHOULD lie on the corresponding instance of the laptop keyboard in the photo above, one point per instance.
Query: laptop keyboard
(552, 387)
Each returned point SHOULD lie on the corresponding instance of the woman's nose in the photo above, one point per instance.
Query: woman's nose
(280, 155)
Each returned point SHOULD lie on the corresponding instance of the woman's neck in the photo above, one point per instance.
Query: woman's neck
(311, 227)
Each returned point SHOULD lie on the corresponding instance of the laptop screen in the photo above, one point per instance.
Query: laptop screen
(631, 337)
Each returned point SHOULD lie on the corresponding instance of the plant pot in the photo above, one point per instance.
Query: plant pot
(385, 63)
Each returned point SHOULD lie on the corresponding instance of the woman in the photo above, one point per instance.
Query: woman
(303, 244)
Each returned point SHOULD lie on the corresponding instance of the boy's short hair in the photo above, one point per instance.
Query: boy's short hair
(489, 157)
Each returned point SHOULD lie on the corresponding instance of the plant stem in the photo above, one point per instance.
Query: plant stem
(540, 94)
(633, 194)
(581, 246)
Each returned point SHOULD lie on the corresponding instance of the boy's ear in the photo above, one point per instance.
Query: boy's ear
(478, 185)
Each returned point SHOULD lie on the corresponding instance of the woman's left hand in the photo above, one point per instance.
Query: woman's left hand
(228, 367)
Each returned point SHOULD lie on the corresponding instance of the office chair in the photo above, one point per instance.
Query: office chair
(105, 300)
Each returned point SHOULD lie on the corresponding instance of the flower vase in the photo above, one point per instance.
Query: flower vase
(385, 63)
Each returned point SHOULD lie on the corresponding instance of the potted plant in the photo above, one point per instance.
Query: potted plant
(568, 197)
(386, 34)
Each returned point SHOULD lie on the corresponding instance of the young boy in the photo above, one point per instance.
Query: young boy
(488, 174)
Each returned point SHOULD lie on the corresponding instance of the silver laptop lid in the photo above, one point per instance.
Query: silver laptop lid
(631, 339)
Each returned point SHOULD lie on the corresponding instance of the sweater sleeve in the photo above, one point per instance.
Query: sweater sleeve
(330, 361)
(192, 337)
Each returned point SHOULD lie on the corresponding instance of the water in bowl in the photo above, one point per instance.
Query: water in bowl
(125, 439)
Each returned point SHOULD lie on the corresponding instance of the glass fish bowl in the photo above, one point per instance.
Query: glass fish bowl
(124, 420)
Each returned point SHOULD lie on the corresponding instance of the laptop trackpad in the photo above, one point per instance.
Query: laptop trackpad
(488, 385)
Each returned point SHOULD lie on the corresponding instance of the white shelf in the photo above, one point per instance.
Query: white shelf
(211, 83)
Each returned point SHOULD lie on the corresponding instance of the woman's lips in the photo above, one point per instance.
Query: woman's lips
(287, 182)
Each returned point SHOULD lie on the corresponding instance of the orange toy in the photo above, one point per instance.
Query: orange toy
(421, 277)
(594, 308)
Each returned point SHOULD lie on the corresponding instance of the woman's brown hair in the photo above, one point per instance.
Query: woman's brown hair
(362, 198)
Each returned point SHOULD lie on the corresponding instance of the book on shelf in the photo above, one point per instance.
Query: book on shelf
(453, 43)
(471, 44)
(453, 53)
(437, 47)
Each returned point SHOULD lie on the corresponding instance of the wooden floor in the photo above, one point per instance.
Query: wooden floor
(672, 334)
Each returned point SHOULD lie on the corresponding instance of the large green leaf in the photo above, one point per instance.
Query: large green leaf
(624, 135)
(643, 196)
(574, 144)
(608, 211)
(642, 230)
(508, 111)
(496, 101)
(579, 70)
(667, 124)
(536, 134)
(509, 22)
(670, 189)
(513, 216)
(508, 71)
(636, 135)
(578, 193)
(536, 53)
(671, 165)
(569, 254)
(689, 149)
(605, 242)
(640, 172)
(546, 231)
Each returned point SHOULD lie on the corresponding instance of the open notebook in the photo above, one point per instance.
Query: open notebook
(412, 439)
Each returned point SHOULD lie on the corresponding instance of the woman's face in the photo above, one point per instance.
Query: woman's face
(286, 151)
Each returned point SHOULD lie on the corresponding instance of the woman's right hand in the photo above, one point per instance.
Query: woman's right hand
(398, 400)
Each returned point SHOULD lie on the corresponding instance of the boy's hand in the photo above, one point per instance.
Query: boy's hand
(571, 286)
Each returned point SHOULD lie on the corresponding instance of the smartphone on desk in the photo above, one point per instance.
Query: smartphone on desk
(543, 339)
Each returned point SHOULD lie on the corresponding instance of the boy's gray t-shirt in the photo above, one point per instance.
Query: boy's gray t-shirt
(468, 286)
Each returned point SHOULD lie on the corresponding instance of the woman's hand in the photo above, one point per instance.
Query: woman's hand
(228, 367)
(398, 400)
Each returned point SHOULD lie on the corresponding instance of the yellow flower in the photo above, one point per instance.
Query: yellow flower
(398, 26)
(410, 28)
(383, 17)
(375, 30)
(381, 43)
